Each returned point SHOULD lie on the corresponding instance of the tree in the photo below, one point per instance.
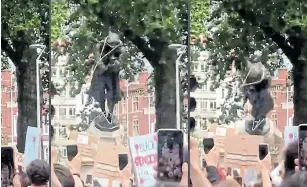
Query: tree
(147, 29)
(270, 32)
(25, 23)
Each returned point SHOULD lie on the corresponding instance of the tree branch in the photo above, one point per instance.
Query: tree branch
(269, 31)
(9, 51)
(142, 45)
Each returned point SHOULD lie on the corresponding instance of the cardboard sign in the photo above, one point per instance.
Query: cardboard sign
(106, 161)
(220, 134)
(87, 144)
(242, 151)
(19, 159)
(143, 151)
(32, 146)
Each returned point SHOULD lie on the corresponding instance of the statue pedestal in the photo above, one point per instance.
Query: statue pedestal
(108, 132)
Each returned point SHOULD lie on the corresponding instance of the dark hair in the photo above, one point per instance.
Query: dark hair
(298, 179)
(64, 175)
(38, 172)
(290, 154)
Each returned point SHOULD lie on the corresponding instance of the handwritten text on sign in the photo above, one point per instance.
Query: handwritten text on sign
(144, 154)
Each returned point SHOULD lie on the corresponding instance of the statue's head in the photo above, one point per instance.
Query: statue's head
(112, 46)
(256, 93)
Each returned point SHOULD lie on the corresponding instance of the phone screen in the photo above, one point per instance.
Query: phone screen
(208, 144)
(303, 146)
(263, 151)
(72, 151)
(170, 155)
(122, 161)
(7, 166)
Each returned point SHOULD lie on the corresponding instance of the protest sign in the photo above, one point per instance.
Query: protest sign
(220, 134)
(32, 146)
(242, 151)
(143, 151)
(87, 144)
(19, 159)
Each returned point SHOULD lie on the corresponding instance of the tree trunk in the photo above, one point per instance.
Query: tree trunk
(26, 82)
(165, 90)
(300, 88)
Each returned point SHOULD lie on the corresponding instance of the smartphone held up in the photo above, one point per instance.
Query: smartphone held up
(170, 155)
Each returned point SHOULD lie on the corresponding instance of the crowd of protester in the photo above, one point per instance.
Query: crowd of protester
(286, 174)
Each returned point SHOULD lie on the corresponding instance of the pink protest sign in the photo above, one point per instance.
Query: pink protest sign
(143, 151)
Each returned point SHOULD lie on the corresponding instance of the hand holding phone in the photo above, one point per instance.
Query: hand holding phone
(170, 155)
(302, 132)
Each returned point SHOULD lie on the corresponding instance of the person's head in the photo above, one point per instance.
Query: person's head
(298, 179)
(290, 154)
(38, 172)
(64, 175)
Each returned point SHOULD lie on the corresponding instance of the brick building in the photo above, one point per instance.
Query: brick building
(9, 111)
(279, 93)
(137, 113)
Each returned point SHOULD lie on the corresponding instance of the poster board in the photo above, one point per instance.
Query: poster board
(219, 135)
(242, 151)
(19, 159)
(106, 162)
(87, 144)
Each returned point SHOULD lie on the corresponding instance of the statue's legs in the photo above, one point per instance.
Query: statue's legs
(110, 95)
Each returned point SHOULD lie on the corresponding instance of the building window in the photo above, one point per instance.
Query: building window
(62, 111)
(63, 152)
(202, 67)
(46, 154)
(203, 105)
(62, 72)
(72, 112)
(195, 67)
(212, 105)
(54, 72)
(124, 108)
(135, 127)
(135, 103)
(274, 118)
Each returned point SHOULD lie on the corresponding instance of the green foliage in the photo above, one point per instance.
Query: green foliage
(198, 13)
(59, 14)
(142, 24)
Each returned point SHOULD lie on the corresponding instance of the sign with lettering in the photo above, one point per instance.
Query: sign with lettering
(19, 159)
(143, 151)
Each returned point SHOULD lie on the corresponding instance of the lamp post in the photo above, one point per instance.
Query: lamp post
(181, 49)
(40, 50)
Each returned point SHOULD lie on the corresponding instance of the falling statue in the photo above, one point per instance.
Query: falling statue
(104, 89)
(258, 100)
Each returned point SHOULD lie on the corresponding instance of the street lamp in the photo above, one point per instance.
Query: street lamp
(40, 50)
(181, 49)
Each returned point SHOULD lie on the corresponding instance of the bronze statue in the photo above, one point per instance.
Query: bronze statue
(257, 99)
(105, 79)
